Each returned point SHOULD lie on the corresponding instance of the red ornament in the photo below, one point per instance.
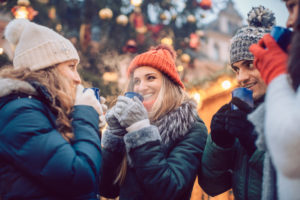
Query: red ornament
(194, 41)
(130, 47)
(205, 4)
(155, 29)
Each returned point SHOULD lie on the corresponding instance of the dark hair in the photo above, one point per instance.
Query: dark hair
(294, 58)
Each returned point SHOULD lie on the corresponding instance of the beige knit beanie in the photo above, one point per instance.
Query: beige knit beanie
(38, 47)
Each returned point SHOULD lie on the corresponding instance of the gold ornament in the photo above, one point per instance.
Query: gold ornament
(105, 13)
(185, 58)
(122, 20)
(163, 16)
(191, 19)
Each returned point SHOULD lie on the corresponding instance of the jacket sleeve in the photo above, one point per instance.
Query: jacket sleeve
(256, 161)
(282, 126)
(214, 174)
(113, 149)
(165, 177)
(30, 142)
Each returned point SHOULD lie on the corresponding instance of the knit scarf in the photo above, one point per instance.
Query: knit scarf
(177, 123)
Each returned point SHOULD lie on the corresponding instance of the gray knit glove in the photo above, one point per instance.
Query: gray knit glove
(131, 113)
(114, 126)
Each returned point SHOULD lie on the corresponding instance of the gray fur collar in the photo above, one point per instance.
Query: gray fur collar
(9, 86)
(177, 123)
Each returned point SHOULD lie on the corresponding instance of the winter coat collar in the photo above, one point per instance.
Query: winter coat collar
(31, 88)
(10, 86)
(177, 123)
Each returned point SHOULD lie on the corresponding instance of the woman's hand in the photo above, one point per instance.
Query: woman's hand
(131, 113)
(87, 98)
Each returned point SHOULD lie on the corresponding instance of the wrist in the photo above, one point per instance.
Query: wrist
(138, 125)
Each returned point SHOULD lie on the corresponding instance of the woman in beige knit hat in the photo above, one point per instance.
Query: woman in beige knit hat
(49, 127)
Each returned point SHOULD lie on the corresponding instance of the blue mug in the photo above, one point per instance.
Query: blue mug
(282, 36)
(134, 94)
(243, 94)
(96, 92)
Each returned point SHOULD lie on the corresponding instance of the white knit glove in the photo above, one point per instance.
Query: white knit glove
(87, 98)
(104, 109)
(131, 113)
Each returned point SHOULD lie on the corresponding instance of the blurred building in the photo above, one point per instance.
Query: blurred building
(213, 74)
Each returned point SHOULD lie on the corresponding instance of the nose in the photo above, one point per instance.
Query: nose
(289, 23)
(76, 79)
(141, 87)
(242, 77)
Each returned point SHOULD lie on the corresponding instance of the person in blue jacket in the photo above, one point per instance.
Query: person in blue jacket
(162, 138)
(49, 127)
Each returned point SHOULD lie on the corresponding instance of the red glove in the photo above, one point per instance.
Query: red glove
(269, 58)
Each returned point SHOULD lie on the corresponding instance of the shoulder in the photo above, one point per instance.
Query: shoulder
(29, 110)
(196, 135)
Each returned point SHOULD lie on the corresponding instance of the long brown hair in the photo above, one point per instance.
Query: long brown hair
(170, 97)
(58, 88)
(294, 59)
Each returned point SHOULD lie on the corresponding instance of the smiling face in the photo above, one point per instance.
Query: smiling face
(249, 77)
(147, 81)
(292, 6)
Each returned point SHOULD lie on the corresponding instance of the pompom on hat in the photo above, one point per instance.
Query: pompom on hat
(260, 20)
(38, 47)
(162, 58)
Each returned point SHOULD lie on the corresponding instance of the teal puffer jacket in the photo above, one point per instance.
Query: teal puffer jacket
(36, 162)
(156, 170)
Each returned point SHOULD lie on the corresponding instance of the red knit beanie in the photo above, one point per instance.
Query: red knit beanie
(161, 58)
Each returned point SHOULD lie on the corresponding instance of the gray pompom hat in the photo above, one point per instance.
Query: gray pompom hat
(260, 20)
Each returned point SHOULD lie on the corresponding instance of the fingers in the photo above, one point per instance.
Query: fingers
(79, 89)
(102, 100)
(104, 107)
(241, 104)
(270, 42)
(124, 99)
(102, 121)
(256, 50)
(89, 92)
(110, 113)
(224, 108)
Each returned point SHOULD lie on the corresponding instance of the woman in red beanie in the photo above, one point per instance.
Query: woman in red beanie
(161, 138)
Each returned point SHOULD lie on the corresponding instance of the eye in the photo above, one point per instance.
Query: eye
(235, 69)
(136, 81)
(151, 77)
(291, 6)
(250, 66)
(72, 67)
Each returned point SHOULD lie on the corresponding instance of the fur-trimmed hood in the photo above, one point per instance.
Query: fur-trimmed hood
(177, 123)
(9, 86)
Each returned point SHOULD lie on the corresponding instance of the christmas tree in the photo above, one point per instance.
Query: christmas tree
(104, 31)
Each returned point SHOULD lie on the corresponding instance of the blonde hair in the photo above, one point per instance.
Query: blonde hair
(170, 97)
(58, 88)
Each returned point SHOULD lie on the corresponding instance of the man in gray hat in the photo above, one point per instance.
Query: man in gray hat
(230, 158)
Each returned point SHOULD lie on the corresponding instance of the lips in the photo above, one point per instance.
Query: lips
(249, 86)
(147, 96)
